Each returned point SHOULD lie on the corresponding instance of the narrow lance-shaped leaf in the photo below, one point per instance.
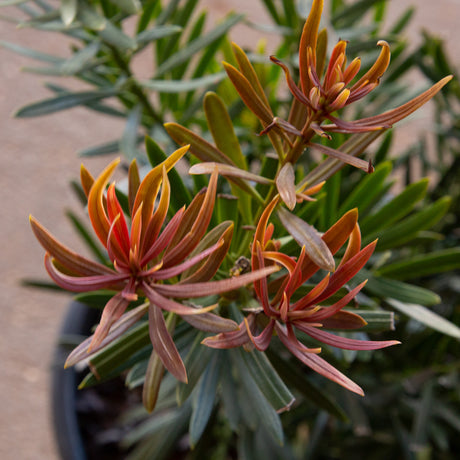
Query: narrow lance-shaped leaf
(155, 33)
(406, 230)
(152, 381)
(205, 397)
(96, 210)
(40, 56)
(238, 176)
(81, 58)
(354, 146)
(265, 412)
(367, 189)
(181, 86)
(128, 6)
(308, 236)
(248, 71)
(66, 256)
(202, 149)
(423, 265)
(155, 371)
(394, 289)
(205, 270)
(149, 186)
(249, 96)
(342, 156)
(117, 330)
(163, 344)
(397, 114)
(213, 287)
(308, 40)
(221, 127)
(318, 364)
(64, 101)
(395, 209)
(267, 379)
(285, 184)
(427, 317)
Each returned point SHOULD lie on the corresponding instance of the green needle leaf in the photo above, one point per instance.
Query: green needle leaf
(427, 317)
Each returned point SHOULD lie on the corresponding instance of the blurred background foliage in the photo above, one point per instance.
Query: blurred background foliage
(412, 404)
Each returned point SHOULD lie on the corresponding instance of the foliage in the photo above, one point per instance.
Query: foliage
(272, 254)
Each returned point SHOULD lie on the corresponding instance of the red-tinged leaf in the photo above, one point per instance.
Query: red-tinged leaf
(309, 299)
(248, 71)
(249, 95)
(341, 126)
(344, 319)
(353, 246)
(295, 90)
(285, 184)
(393, 116)
(112, 312)
(65, 256)
(335, 238)
(86, 180)
(280, 258)
(152, 381)
(230, 172)
(166, 273)
(295, 278)
(335, 63)
(118, 328)
(136, 229)
(261, 286)
(119, 228)
(208, 269)
(321, 51)
(149, 187)
(199, 227)
(313, 190)
(232, 339)
(308, 40)
(344, 342)
(261, 341)
(347, 271)
(83, 283)
(261, 229)
(326, 312)
(133, 184)
(167, 304)
(165, 238)
(307, 236)
(318, 364)
(188, 219)
(153, 228)
(209, 322)
(184, 291)
(116, 253)
(348, 159)
(96, 211)
(163, 344)
(377, 70)
(202, 149)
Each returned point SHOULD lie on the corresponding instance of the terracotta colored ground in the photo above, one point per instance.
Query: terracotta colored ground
(38, 159)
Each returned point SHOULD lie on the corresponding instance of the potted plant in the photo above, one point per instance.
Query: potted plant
(228, 294)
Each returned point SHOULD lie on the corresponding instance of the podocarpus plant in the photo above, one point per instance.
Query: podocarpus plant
(244, 270)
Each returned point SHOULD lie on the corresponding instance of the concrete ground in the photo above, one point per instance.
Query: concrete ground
(38, 159)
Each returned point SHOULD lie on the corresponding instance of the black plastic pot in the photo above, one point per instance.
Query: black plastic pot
(78, 322)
